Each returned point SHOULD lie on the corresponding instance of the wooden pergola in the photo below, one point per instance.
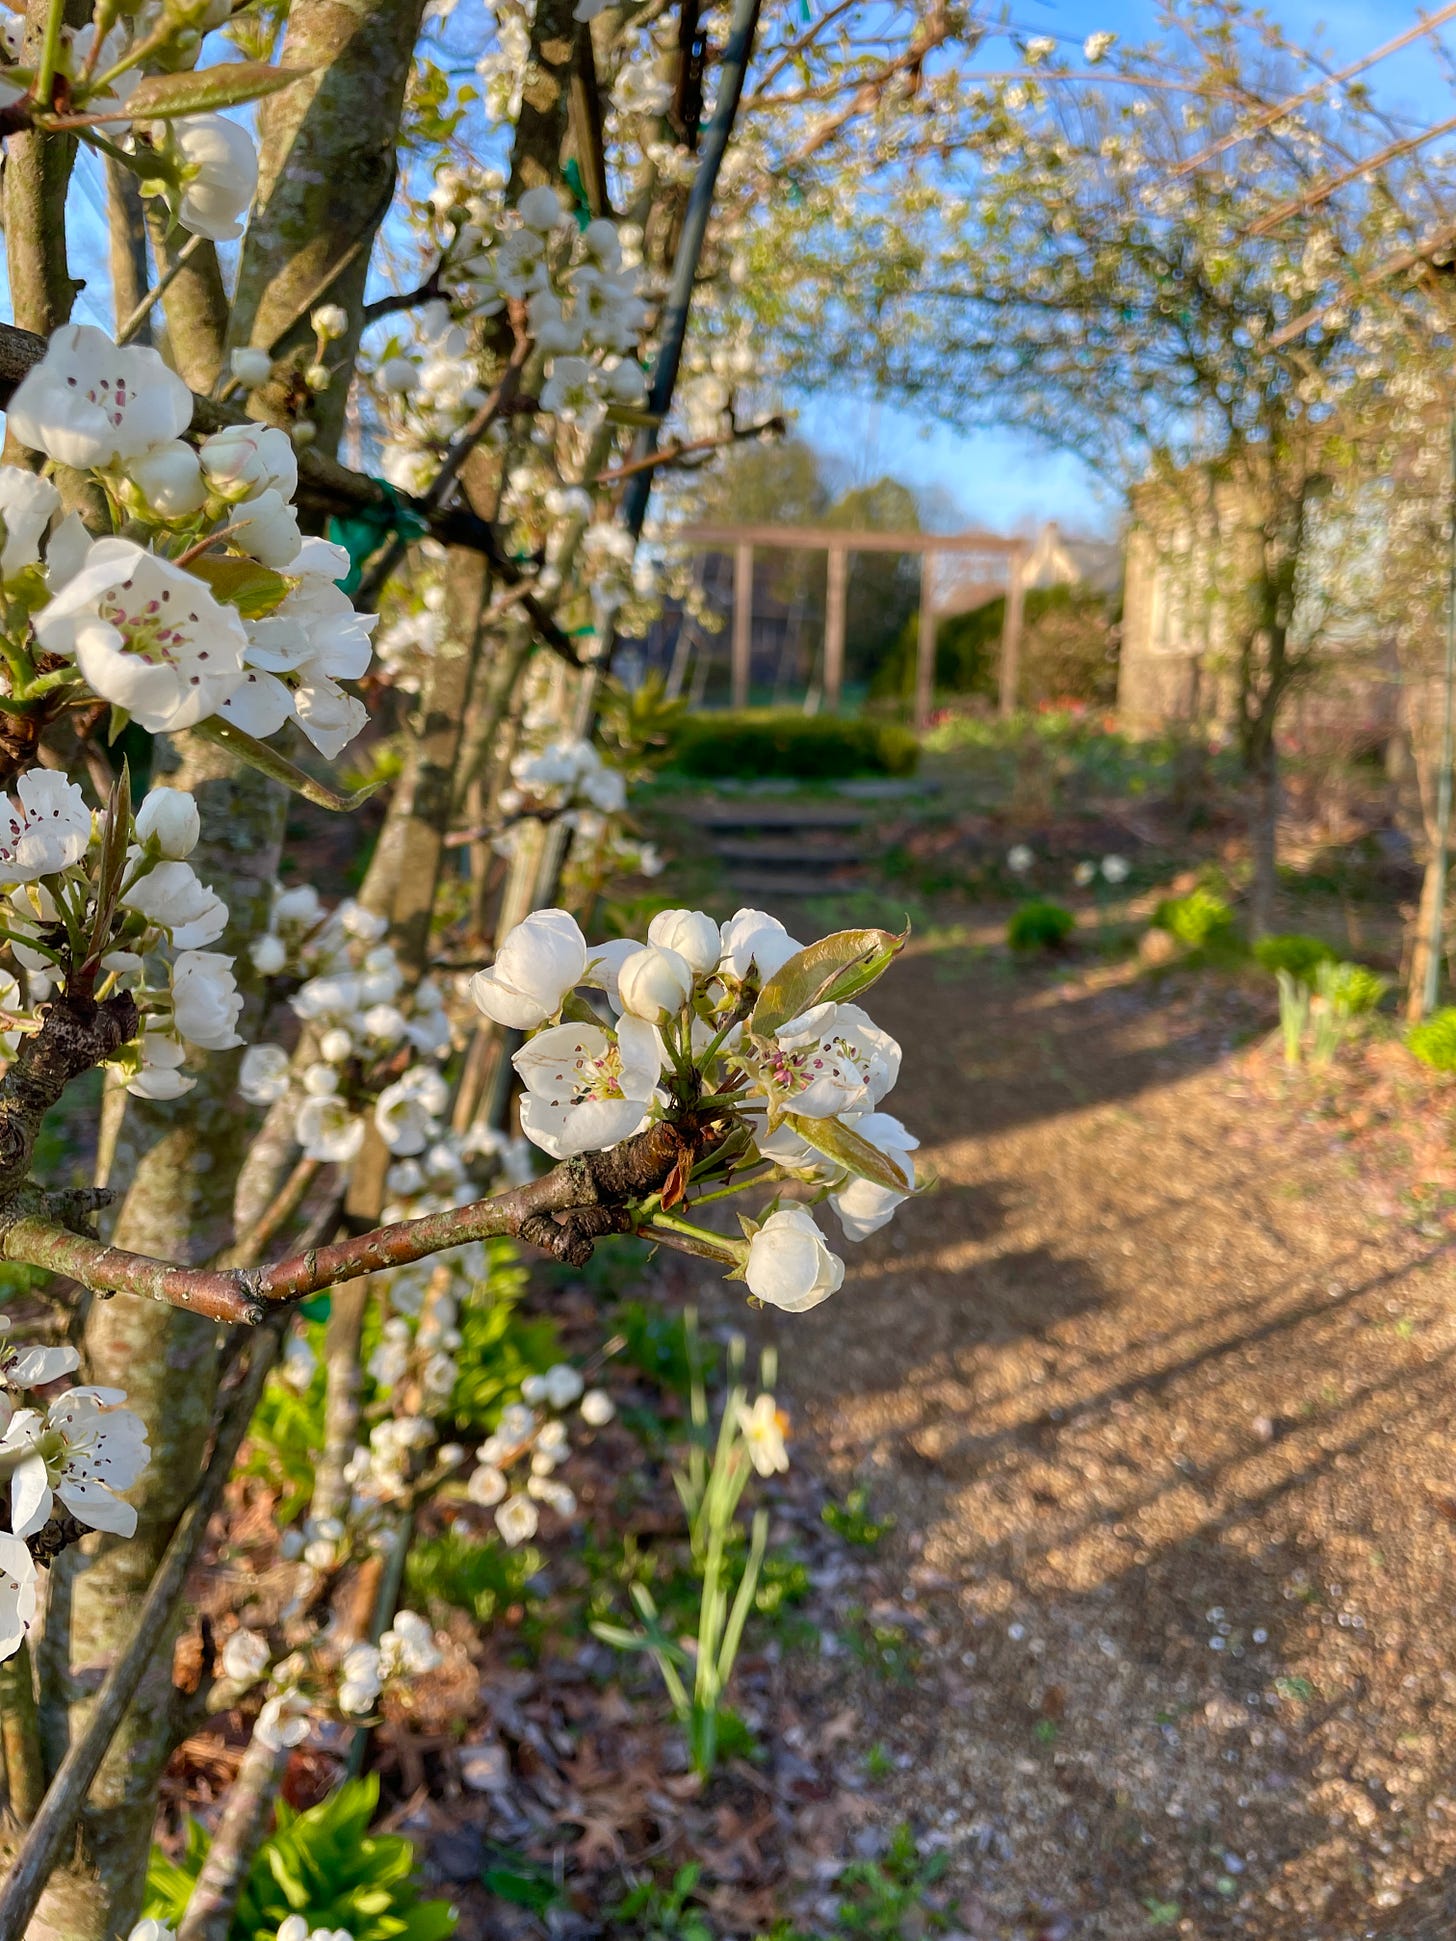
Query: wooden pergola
(1004, 561)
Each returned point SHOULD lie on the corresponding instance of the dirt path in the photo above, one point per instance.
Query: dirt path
(1155, 1388)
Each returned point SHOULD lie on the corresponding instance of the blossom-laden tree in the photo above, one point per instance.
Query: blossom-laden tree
(482, 287)
(1107, 245)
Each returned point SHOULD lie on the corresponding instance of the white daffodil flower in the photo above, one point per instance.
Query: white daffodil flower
(44, 827)
(146, 635)
(586, 1089)
(541, 960)
(788, 1264)
(28, 503)
(654, 983)
(169, 818)
(206, 1002)
(87, 403)
(763, 1428)
(82, 1450)
(863, 1205)
(31, 1365)
(220, 175)
(17, 1594)
(172, 897)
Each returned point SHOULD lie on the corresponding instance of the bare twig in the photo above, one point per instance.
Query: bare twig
(689, 448)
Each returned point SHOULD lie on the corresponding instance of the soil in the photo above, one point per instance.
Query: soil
(1156, 1384)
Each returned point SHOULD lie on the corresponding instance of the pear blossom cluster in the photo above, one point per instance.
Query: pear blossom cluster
(344, 1679)
(51, 849)
(68, 1455)
(693, 1012)
(532, 1435)
(211, 602)
(372, 1047)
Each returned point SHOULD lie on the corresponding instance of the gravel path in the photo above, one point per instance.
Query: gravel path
(1162, 1403)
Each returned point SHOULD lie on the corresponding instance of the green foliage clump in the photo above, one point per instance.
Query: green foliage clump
(1040, 925)
(852, 1521)
(323, 1864)
(661, 1345)
(1433, 1040)
(779, 743)
(499, 1346)
(1352, 990)
(286, 1434)
(1200, 920)
(479, 1578)
(1299, 955)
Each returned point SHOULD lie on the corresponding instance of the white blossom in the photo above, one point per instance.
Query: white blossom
(597, 1408)
(172, 898)
(360, 1680)
(146, 635)
(28, 503)
(245, 1657)
(250, 365)
(751, 940)
(586, 1089)
(88, 403)
(283, 1721)
(863, 1205)
(406, 1112)
(169, 818)
(220, 175)
(83, 1449)
(328, 1131)
(541, 960)
(206, 1002)
(654, 983)
(243, 461)
(517, 1519)
(408, 1647)
(17, 1594)
(169, 479)
(33, 1365)
(788, 1264)
(263, 1075)
(692, 934)
(44, 827)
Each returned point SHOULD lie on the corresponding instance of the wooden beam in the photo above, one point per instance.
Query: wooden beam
(1011, 633)
(925, 645)
(834, 626)
(827, 538)
(742, 623)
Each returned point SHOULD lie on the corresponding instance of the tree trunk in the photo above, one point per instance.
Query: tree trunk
(1263, 772)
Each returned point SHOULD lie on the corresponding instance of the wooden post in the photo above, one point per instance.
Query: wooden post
(834, 627)
(1011, 631)
(742, 622)
(925, 644)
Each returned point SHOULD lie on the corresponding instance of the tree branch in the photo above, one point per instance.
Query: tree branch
(565, 1213)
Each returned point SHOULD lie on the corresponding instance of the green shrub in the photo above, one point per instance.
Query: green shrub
(323, 1864)
(479, 1578)
(1040, 925)
(777, 742)
(1433, 1041)
(1291, 952)
(1351, 989)
(499, 1346)
(1198, 921)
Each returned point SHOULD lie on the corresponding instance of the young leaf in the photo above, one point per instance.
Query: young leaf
(830, 971)
(846, 1147)
(116, 835)
(160, 96)
(242, 583)
(268, 761)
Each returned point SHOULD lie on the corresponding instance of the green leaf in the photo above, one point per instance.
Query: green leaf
(160, 96)
(830, 971)
(242, 583)
(257, 754)
(846, 1147)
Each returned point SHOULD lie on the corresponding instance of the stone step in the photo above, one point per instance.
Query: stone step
(739, 816)
(771, 852)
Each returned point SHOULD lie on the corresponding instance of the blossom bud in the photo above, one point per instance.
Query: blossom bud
(245, 460)
(691, 934)
(788, 1264)
(169, 818)
(317, 376)
(336, 1045)
(654, 983)
(169, 478)
(250, 365)
(329, 320)
(303, 432)
(269, 955)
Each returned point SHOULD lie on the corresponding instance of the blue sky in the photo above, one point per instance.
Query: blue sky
(1004, 479)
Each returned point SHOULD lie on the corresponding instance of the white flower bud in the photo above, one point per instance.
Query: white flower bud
(317, 377)
(654, 983)
(250, 365)
(597, 1408)
(329, 320)
(269, 955)
(691, 934)
(169, 818)
(169, 478)
(336, 1046)
(788, 1265)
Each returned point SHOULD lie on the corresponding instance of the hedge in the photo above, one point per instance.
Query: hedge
(778, 742)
